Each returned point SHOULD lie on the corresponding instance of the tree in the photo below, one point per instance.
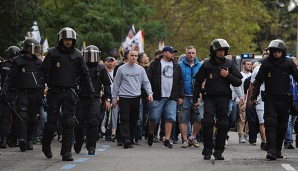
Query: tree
(17, 19)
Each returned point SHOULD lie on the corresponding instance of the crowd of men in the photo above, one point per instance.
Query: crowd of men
(75, 95)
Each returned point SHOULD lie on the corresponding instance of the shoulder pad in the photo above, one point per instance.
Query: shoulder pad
(18, 60)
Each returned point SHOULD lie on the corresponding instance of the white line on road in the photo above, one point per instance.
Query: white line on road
(68, 166)
(288, 167)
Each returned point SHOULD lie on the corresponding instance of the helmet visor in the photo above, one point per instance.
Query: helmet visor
(34, 49)
(91, 55)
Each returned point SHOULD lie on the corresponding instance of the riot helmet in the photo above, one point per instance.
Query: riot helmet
(219, 44)
(11, 52)
(32, 46)
(67, 33)
(277, 44)
(91, 54)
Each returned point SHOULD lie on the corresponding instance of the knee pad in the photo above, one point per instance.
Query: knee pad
(68, 123)
(222, 124)
(92, 123)
(270, 122)
(208, 122)
(24, 116)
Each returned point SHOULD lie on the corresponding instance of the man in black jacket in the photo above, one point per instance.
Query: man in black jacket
(23, 77)
(218, 72)
(87, 112)
(168, 89)
(62, 69)
(275, 71)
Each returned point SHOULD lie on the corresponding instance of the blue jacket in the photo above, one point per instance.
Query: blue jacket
(188, 73)
(293, 88)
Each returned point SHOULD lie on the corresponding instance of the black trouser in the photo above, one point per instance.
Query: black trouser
(5, 119)
(276, 115)
(129, 115)
(86, 115)
(218, 107)
(66, 100)
(253, 123)
(27, 106)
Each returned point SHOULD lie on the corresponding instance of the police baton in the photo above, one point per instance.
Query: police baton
(14, 111)
(44, 103)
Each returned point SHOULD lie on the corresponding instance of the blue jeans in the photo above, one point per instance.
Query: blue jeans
(186, 111)
(165, 107)
(291, 123)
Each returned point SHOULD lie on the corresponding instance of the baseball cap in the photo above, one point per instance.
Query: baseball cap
(169, 48)
(109, 59)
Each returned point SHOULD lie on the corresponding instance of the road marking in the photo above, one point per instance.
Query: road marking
(288, 167)
(101, 149)
(106, 146)
(90, 155)
(80, 160)
(68, 166)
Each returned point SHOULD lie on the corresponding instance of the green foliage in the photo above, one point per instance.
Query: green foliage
(17, 18)
(248, 25)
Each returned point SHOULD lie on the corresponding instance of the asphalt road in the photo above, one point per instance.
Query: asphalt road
(110, 157)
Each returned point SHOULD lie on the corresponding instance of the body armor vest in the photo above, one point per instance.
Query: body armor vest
(27, 72)
(216, 84)
(66, 69)
(277, 80)
(5, 68)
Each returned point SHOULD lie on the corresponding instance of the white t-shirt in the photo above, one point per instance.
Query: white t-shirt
(253, 78)
(166, 78)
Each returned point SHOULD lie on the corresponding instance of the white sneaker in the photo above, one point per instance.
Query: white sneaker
(242, 139)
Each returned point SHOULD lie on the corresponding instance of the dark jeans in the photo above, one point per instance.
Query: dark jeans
(129, 114)
(253, 123)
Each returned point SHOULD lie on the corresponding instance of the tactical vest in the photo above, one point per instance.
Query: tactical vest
(5, 68)
(277, 80)
(65, 70)
(27, 72)
(216, 84)
(96, 78)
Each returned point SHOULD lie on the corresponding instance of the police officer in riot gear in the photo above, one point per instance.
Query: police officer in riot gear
(87, 113)
(23, 77)
(5, 119)
(62, 69)
(275, 71)
(219, 72)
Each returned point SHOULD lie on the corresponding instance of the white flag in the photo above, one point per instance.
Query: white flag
(129, 36)
(35, 32)
(45, 46)
(137, 42)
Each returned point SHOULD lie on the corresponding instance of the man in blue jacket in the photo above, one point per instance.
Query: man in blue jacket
(189, 66)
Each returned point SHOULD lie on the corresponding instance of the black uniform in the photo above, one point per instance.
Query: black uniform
(23, 76)
(87, 113)
(275, 73)
(5, 119)
(62, 69)
(216, 100)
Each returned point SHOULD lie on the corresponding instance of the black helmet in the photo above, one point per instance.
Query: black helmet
(11, 52)
(277, 44)
(67, 33)
(31, 45)
(91, 54)
(219, 44)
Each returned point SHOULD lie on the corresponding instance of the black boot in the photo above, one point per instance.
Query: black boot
(91, 151)
(271, 154)
(22, 145)
(67, 156)
(207, 153)
(3, 142)
(29, 145)
(218, 155)
(77, 147)
(47, 151)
